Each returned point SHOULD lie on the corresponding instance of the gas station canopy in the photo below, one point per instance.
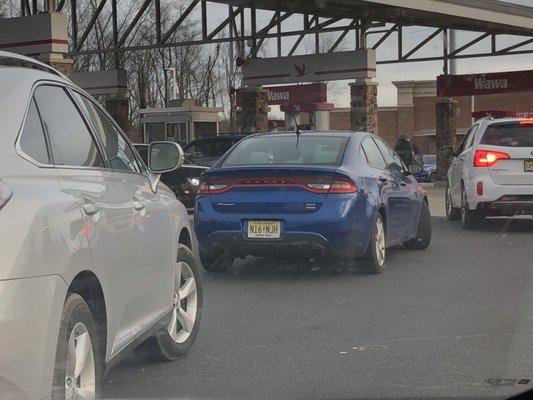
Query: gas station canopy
(473, 15)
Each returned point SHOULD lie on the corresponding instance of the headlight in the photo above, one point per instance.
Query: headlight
(194, 181)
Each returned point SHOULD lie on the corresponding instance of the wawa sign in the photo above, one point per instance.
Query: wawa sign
(293, 94)
(310, 68)
(480, 84)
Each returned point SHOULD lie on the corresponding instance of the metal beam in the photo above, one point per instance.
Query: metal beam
(470, 44)
(74, 24)
(60, 5)
(342, 36)
(516, 46)
(157, 9)
(223, 24)
(384, 37)
(422, 43)
(90, 25)
(133, 23)
(204, 20)
(179, 21)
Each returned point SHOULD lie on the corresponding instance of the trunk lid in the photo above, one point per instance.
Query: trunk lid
(272, 189)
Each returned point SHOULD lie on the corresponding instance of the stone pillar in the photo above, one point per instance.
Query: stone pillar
(321, 120)
(254, 114)
(118, 107)
(364, 106)
(446, 110)
(43, 37)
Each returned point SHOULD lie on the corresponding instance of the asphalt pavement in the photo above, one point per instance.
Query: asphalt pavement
(455, 320)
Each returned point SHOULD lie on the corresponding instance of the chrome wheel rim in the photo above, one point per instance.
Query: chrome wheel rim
(185, 304)
(80, 374)
(380, 242)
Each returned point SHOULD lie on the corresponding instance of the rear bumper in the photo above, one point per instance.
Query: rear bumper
(339, 228)
(493, 192)
(508, 205)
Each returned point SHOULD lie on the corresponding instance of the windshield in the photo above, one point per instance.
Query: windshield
(288, 150)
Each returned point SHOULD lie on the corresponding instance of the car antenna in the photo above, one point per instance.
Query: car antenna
(297, 131)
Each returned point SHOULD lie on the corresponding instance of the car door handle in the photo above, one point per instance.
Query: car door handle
(383, 178)
(137, 204)
(90, 208)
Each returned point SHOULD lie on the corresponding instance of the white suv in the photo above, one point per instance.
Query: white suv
(95, 254)
(492, 172)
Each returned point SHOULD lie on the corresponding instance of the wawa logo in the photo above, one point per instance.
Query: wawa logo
(278, 96)
(490, 84)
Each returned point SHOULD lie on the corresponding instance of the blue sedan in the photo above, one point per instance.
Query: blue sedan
(429, 170)
(340, 196)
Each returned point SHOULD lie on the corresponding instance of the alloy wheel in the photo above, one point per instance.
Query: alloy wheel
(80, 376)
(380, 241)
(185, 304)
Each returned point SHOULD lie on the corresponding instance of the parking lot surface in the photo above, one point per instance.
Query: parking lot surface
(452, 321)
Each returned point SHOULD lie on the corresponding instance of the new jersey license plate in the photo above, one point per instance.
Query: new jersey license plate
(264, 229)
(528, 166)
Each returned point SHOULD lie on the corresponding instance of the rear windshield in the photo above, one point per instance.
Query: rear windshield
(285, 150)
(429, 159)
(509, 135)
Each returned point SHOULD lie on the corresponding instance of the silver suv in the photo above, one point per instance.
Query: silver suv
(492, 172)
(96, 253)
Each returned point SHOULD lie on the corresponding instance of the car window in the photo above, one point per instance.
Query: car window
(282, 150)
(71, 141)
(429, 159)
(373, 155)
(219, 147)
(119, 152)
(393, 161)
(32, 140)
(511, 134)
(472, 136)
(200, 148)
(466, 138)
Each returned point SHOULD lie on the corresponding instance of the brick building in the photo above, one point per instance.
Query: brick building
(415, 113)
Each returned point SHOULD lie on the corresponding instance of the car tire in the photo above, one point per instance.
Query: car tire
(219, 263)
(452, 213)
(77, 329)
(176, 339)
(374, 257)
(432, 177)
(423, 235)
(470, 219)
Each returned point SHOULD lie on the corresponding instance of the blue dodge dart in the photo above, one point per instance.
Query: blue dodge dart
(337, 195)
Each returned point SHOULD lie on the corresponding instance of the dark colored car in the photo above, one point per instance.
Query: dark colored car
(206, 151)
(183, 182)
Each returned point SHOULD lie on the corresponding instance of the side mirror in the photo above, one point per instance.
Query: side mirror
(415, 169)
(164, 157)
(447, 152)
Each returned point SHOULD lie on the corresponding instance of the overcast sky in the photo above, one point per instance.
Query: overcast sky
(339, 92)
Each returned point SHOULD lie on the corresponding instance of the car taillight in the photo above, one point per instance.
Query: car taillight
(487, 158)
(526, 122)
(212, 188)
(340, 186)
(317, 185)
(5, 193)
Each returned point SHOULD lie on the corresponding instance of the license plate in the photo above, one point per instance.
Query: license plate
(264, 229)
(528, 166)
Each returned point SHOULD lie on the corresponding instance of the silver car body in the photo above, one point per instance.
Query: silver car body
(47, 241)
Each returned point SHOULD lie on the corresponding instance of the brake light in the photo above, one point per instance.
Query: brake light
(212, 188)
(317, 185)
(487, 158)
(5, 193)
(526, 122)
(340, 186)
